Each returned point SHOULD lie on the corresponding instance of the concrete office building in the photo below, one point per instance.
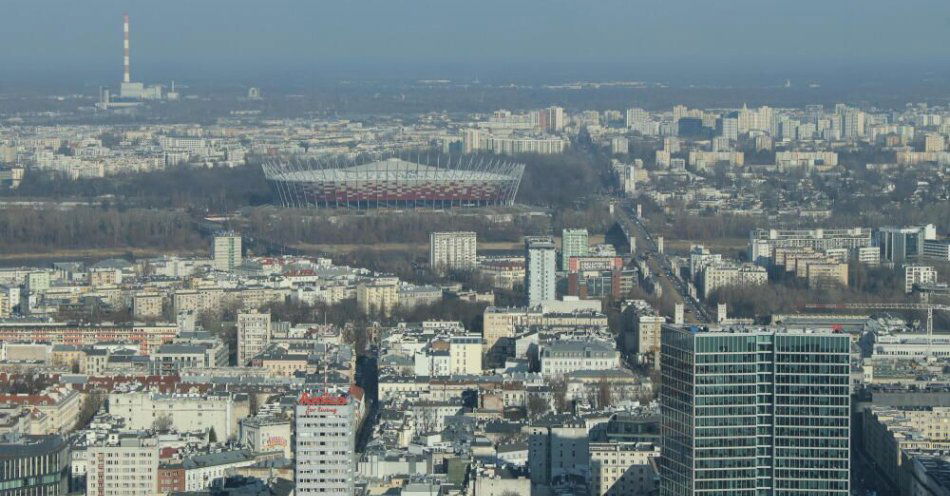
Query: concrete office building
(937, 249)
(540, 268)
(226, 251)
(452, 251)
(753, 410)
(325, 444)
(574, 243)
(34, 466)
(902, 244)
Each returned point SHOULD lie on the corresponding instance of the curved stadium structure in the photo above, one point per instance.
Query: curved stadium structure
(395, 182)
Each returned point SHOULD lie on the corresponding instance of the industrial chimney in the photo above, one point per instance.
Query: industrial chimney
(127, 77)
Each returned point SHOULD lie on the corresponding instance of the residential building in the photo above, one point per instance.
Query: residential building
(918, 275)
(123, 465)
(540, 268)
(647, 329)
(450, 251)
(826, 274)
(574, 243)
(763, 241)
(728, 275)
(465, 355)
(147, 306)
(182, 412)
(563, 357)
(226, 251)
(253, 335)
(622, 469)
(754, 410)
(268, 433)
(380, 296)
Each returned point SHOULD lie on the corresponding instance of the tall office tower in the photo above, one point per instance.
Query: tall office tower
(226, 251)
(573, 244)
(540, 267)
(325, 443)
(452, 251)
(253, 335)
(123, 465)
(754, 411)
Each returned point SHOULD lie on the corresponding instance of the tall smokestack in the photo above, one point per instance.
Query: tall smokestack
(127, 77)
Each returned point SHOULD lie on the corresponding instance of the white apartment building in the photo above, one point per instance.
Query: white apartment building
(452, 251)
(184, 413)
(253, 335)
(226, 251)
(122, 465)
(724, 275)
(563, 357)
(465, 354)
(325, 445)
(540, 268)
(623, 469)
(763, 241)
(918, 274)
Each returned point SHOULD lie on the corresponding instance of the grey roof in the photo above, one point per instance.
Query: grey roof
(13, 447)
(213, 459)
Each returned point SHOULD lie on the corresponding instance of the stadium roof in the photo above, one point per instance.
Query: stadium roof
(392, 169)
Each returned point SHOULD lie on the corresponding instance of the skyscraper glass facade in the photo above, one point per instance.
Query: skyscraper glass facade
(753, 411)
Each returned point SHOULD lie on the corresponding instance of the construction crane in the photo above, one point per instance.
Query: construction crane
(886, 306)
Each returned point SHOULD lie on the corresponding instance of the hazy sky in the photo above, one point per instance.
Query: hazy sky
(82, 39)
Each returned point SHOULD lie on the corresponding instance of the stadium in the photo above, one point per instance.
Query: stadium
(394, 182)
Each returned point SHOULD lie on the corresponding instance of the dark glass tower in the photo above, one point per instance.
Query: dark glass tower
(754, 411)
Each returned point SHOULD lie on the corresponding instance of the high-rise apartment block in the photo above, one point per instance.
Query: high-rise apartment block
(253, 335)
(325, 446)
(540, 268)
(452, 251)
(123, 465)
(918, 274)
(226, 251)
(754, 411)
(574, 243)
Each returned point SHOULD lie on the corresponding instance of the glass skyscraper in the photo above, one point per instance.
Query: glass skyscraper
(754, 411)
